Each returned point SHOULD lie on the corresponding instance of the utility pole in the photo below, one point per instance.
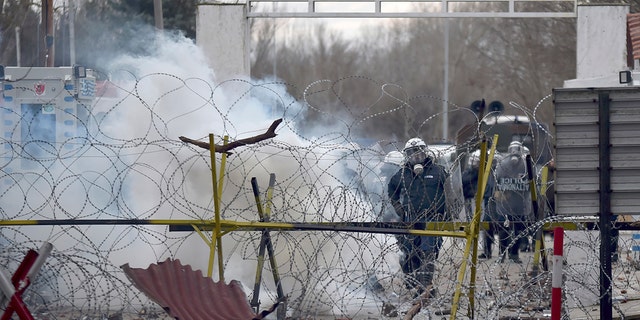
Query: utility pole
(18, 53)
(445, 95)
(47, 23)
(157, 14)
(159, 22)
(72, 32)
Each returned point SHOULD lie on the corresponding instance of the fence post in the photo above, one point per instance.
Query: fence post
(556, 278)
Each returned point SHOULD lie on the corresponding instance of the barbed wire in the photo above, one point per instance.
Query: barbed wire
(125, 162)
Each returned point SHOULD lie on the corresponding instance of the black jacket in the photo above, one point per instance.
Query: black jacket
(422, 197)
(470, 184)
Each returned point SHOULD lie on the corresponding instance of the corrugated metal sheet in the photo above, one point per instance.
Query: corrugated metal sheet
(633, 26)
(577, 180)
(187, 295)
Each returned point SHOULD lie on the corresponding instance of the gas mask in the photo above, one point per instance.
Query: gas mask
(416, 157)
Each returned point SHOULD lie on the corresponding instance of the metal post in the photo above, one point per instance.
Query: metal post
(72, 32)
(605, 206)
(216, 237)
(15, 288)
(43, 254)
(556, 276)
(471, 233)
(255, 301)
(445, 96)
(157, 14)
(49, 32)
(18, 54)
(539, 216)
(265, 243)
(477, 216)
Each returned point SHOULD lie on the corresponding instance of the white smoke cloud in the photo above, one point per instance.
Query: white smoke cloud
(132, 166)
(309, 171)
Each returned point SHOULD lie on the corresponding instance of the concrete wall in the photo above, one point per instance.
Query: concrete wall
(601, 51)
(222, 32)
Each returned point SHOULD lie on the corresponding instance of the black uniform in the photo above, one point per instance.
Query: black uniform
(419, 198)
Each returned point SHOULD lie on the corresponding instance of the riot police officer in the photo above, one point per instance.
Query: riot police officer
(513, 199)
(417, 193)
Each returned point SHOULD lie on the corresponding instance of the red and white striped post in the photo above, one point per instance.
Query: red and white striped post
(556, 277)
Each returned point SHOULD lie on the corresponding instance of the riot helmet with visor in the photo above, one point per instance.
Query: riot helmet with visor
(415, 152)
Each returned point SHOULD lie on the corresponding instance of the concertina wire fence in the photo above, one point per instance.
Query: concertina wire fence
(126, 162)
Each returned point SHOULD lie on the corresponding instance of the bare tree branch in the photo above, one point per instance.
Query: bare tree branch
(270, 133)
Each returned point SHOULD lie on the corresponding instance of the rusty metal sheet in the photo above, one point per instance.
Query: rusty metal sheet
(187, 295)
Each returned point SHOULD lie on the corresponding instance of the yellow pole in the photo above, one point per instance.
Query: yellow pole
(212, 246)
(223, 163)
(216, 238)
(472, 235)
(231, 225)
(202, 235)
(539, 241)
(471, 242)
(218, 195)
(543, 182)
(476, 220)
(267, 210)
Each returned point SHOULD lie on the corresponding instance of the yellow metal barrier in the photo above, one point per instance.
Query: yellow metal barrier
(471, 247)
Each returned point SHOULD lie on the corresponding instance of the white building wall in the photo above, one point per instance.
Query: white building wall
(222, 32)
(53, 94)
(601, 50)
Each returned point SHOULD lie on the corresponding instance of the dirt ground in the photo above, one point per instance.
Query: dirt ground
(507, 290)
(503, 289)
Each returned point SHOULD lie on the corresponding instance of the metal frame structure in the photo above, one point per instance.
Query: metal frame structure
(365, 9)
(404, 9)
